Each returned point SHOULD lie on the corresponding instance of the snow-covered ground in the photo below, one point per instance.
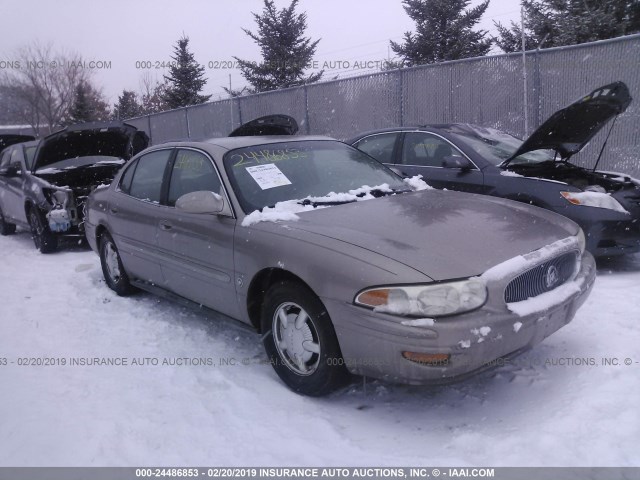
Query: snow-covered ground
(524, 414)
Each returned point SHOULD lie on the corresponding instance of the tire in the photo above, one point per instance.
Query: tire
(114, 274)
(306, 357)
(6, 228)
(43, 239)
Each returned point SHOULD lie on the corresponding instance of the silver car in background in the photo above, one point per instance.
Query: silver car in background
(338, 263)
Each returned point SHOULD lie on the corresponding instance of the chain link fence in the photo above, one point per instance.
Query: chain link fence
(488, 91)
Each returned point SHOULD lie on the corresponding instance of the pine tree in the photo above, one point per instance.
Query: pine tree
(286, 52)
(444, 31)
(88, 105)
(186, 78)
(555, 23)
(127, 106)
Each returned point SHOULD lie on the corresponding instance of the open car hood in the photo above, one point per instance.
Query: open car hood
(268, 125)
(568, 130)
(99, 139)
(6, 140)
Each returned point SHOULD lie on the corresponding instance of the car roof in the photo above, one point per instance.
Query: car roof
(231, 143)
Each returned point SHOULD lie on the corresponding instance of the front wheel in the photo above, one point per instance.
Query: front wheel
(43, 239)
(112, 269)
(301, 342)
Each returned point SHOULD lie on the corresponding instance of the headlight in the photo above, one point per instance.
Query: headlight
(55, 197)
(426, 300)
(593, 199)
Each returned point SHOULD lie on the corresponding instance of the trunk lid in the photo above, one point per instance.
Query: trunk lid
(267, 125)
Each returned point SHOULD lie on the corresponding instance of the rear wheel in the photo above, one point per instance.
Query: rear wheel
(43, 239)
(301, 342)
(6, 228)
(112, 269)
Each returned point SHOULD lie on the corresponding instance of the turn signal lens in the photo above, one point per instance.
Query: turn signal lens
(432, 359)
(375, 298)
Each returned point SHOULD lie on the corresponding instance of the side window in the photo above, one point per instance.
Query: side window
(192, 172)
(29, 154)
(16, 160)
(425, 149)
(147, 179)
(4, 160)
(379, 147)
(125, 180)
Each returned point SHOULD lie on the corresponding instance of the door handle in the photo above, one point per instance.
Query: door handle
(165, 226)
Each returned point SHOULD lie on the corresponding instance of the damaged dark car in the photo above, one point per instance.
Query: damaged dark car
(47, 193)
(537, 171)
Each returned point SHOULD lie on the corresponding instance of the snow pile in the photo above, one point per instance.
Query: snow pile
(509, 173)
(517, 326)
(417, 183)
(419, 322)
(281, 212)
(286, 211)
(546, 300)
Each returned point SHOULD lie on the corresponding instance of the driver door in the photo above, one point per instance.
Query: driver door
(197, 249)
(423, 153)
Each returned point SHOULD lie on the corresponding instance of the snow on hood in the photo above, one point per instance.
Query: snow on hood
(568, 130)
(286, 211)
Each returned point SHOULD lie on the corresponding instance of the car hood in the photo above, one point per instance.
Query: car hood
(6, 140)
(568, 130)
(444, 235)
(103, 139)
(268, 125)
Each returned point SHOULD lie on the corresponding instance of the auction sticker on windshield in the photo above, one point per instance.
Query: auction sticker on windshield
(268, 176)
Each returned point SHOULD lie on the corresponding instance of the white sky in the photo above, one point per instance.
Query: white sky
(125, 31)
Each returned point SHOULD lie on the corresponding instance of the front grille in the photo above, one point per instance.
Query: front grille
(543, 278)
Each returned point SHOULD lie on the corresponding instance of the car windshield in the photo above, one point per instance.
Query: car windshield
(496, 146)
(264, 175)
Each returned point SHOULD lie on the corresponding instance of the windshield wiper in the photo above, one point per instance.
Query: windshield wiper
(376, 192)
(316, 203)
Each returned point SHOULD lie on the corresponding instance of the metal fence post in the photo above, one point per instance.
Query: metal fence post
(537, 86)
(186, 119)
(306, 109)
(150, 135)
(401, 95)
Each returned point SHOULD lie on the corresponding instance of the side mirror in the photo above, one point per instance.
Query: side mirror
(10, 171)
(457, 162)
(200, 202)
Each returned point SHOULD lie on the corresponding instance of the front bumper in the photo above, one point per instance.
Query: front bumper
(372, 343)
(607, 232)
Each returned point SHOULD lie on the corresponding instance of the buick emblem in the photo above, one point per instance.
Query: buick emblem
(552, 276)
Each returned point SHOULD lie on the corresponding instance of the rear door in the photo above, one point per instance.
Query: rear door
(381, 146)
(197, 249)
(423, 153)
(134, 213)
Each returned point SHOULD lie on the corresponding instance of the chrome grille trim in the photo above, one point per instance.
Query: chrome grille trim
(542, 278)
